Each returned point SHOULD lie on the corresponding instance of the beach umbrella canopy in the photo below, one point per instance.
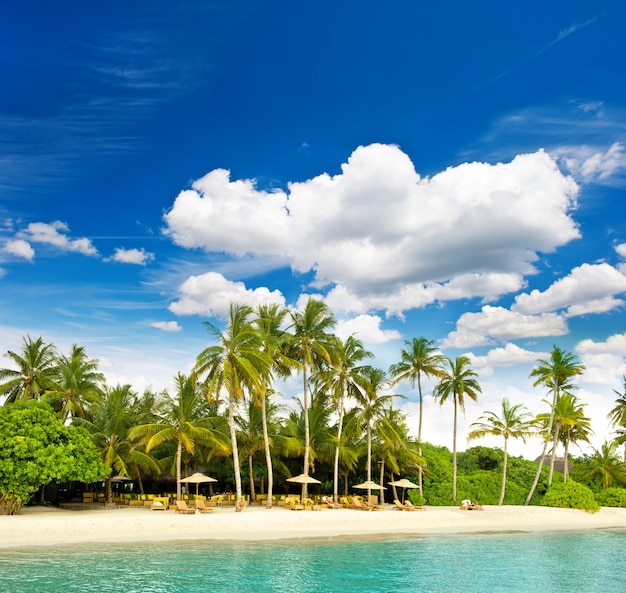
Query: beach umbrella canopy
(369, 485)
(404, 484)
(303, 479)
(197, 479)
(118, 479)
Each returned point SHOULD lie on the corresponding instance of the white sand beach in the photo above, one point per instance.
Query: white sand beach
(37, 526)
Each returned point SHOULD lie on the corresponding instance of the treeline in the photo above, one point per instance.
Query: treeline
(224, 417)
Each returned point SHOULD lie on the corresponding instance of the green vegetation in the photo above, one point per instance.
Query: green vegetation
(345, 427)
(570, 495)
(37, 448)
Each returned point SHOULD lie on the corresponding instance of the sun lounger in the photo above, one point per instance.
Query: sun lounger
(362, 506)
(201, 506)
(409, 504)
(181, 507)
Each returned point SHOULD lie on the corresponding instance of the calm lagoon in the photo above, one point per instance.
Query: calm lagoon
(581, 562)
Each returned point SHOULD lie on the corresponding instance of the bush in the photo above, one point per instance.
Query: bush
(612, 497)
(570, 495)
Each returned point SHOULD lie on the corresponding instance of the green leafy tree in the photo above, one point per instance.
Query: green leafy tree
(343, 379)
(32, 375)
(605, 465)
(617, 417)
(570, 495)
(180, 420)
(556, 374)
(109, 422)
(513, 422)
(236, 364)
(269, 323)
(312, 346)
(458, 382)
(418, 358)
(75, 384)
(36, 448)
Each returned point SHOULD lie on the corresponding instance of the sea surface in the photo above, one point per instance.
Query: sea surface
(521, 563)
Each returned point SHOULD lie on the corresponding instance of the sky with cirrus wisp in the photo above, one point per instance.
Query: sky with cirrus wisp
(450, 171)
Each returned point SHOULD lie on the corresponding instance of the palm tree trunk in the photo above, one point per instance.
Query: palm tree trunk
(557, 434)
(251, 472)
(235, 449)
(268, 455)
(305, 401)
(179, 455)
(565, 459)
(382, 477)
(369, 458)
(108, 491)
(504, 464)
(336, 472)
(420, 471)
(454, 453)
(545, 448)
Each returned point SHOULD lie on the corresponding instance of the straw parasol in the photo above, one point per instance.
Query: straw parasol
(404, 484)
(197, 479)
(303, 479)
(369, 485)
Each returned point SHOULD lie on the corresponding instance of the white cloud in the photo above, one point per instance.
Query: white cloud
(589, 288)
(605, 362)
(499, 324)
(589, 163)
(131, 256)
(54, 233)
(378, 228)
(366, 328)
(509, 355)
(211, 294)
(621, 250)
(167, 326)
(20, 248)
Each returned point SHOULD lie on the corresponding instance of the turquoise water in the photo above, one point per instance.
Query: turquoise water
(581, 563)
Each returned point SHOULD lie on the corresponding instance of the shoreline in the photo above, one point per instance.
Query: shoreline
(47, 526)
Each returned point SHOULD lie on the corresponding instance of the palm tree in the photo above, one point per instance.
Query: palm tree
(457, 382)
(269, 322)
(76, 383)
(556, 374)
(420, 357)
(372, 405)
(35, 367)
(514, 422)
(606, 465)
(311, 346)
(181, 421)
(237, 363)
(343, 379)
(617, 416)
(109, 421)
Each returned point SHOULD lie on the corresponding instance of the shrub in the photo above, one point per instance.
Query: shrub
(570, 495)
(612, 497)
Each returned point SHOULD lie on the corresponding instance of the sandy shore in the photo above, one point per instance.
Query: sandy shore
(37, 526)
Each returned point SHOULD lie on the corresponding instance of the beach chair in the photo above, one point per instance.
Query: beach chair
(410, 505)
(181, 507)
(201, 506)
(361, 506)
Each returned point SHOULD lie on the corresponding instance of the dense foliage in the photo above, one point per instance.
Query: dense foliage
(37, 448)
(570, 495)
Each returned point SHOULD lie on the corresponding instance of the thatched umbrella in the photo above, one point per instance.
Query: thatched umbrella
(197, 479)
(404, 484)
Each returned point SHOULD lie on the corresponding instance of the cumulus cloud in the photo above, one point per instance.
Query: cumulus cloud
(499, 324)
(509, 355)
(55, 233)
(621, 250)
(589, 288)
(589, 163)
(211, 294)
(366, 328)
(605, 362)
(379, 232)
(131, 256)
(167, 326)
(20, 248)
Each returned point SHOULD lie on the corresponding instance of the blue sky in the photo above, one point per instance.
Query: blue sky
(454, 170)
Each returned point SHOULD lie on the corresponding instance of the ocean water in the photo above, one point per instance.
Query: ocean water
(521, 563)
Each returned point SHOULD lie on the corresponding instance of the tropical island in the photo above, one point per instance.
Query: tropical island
(65, 433)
